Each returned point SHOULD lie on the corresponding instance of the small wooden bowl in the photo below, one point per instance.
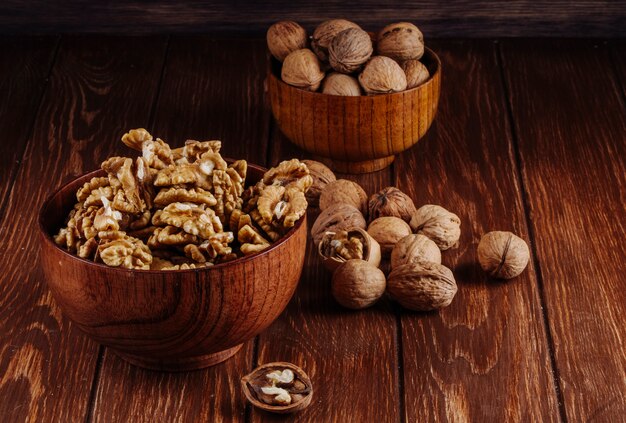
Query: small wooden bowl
(355, 134)
(170, 320)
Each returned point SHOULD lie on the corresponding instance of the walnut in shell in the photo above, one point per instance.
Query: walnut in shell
(391, 201)
(437, 224)
(284, 37)
(503, 255)
(416, 73)
(278, 387)
(322, 176)
(382, 75)
(354, 243)
(388, 230)
(340, 84)
(301, 69)
(414, 248)
(324, 34)
(344, 191)
(357, 284)
(400, 41)
(422, 286)
(349, 50)
(335, 218)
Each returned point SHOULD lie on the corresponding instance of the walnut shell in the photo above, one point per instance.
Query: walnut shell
(340, 84)
(382, 75)
(357, 284)
(390, 201)
(324, 34)
(344, 191)
(503, 255)
(400, 41)
(337, 217)
(416, 73)
(284, 37)
(322, 176)
(437, 224)
(371, 249)
(388, 230)
(301, 69)
(414, 248)
(349, 50)
(422, 286)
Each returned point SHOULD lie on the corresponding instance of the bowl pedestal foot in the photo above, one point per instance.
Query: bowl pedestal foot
(366, 166)
(179, 364)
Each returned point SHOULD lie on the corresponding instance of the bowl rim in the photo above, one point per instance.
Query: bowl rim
(48, 237)
(429, 81)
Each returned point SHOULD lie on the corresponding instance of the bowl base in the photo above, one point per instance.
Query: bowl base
(366, 166)
(179, 364)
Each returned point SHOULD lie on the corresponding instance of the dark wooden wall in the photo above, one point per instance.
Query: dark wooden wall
(438, 18)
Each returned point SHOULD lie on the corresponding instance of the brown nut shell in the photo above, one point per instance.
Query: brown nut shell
(382, 75)
(390, 201)
(422, 286)
(305, 393)
(340, 84)
(301, 69)
(413, 249)
(357, 284)
(388, 230)
(336, 218)
(324, 34)
(349, 50)
(344, 191)
(371, 249)
(400, 41)
(503, 255)
(416, 73)
(284, 37)
(438, 224)
(322, 176)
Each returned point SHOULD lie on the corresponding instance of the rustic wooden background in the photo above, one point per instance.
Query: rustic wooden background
(438, 18)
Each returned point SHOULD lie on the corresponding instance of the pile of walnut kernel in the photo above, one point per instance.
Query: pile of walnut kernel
(356, 62)
(181, 208)
(353, 232)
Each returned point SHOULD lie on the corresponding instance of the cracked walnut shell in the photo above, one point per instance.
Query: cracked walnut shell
(284, 37)
(382, 75)
(391, 201)
(422, 286)
(354, 243)
(503, 255)
(388, 230)
(324, 34)
(336, 218)
(357, 284)
(400, 41)
(344, 191)
(437, 224)
(301, 69)
(414, 248)
(349, 50)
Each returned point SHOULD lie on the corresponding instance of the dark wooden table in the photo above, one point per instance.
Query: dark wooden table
(530, 137)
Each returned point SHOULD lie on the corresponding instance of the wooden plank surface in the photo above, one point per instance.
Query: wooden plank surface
(461, 18)
(618, 56)
(206, 93)
(485, 357)
(571, 133)
(46, 365)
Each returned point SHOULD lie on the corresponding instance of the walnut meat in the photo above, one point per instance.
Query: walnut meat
(400, 41)
(388, 230)
(382, 75)
(126, 252)
(414, 248)
(284, 37)
(324, 34)
(354, 243)
(503, 255)
(416, 73)
(357, 284)
(391, 201)
(438, 224)
(321, 176)
(349, 50)
(335, 218)
(344, 191)
(301, 69)
(422, 286)
(339, 84)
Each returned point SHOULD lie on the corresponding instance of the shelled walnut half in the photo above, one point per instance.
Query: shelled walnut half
(337, 247)
(278, 387)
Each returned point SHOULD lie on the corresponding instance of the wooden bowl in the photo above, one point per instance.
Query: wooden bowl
(355, 134)
(170, 320)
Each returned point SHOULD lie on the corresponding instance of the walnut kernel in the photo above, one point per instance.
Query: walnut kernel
(334, 218)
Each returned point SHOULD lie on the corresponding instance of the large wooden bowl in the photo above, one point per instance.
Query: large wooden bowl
(355, 134)
(170, 320)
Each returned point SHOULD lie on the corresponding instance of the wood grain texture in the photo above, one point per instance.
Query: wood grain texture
(206, 92)
(464, 18)
(485, 357)
(24, 66)
(570, 123)
(46, 365)
(618, 56)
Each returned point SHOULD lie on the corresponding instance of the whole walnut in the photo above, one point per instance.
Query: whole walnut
(422, 286)
(503, 255)
(400, 41)
(414, 248)
(357, 284)
(335, 218)
(301, 69)
(416, 73)
(322, 176)
(388, 230)
(340, 84)
(437, 224)
(284, 37)
(324, 34)
(344, 191)
(390, 201)
(382, 75)
(349, 50)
